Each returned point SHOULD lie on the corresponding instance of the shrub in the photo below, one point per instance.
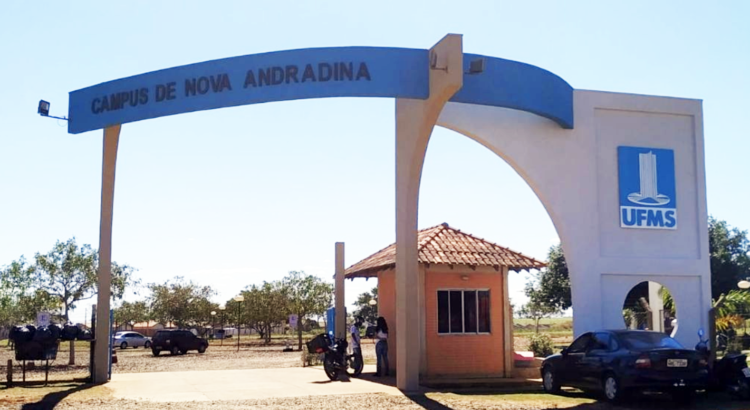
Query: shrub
(734, 346)
(541, 345)
(311, 359)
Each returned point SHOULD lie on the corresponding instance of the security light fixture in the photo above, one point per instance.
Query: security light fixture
(477, 66)
(744, 284)
(434, 62)
(43, 110)
(239, 298)
(373, 302)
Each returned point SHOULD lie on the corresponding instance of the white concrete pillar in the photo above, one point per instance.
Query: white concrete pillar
(508, 349)
(340, 321)
(415, 120)
(109, 160)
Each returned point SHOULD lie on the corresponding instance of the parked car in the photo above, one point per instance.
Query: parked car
(131, 339)
(621, 361)
(177, 342)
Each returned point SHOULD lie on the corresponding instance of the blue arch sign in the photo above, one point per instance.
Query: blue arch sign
(313, 73)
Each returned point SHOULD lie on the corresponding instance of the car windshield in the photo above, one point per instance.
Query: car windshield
(649, 340)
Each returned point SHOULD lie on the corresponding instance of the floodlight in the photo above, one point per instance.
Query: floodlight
(476, 66)
(43, 108)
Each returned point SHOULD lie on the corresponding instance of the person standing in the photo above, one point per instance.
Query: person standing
(381, 347)
(356, 339)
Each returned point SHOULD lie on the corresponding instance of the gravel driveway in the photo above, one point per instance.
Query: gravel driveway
(252, 355)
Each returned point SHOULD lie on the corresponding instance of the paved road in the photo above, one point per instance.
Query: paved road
(238, 385)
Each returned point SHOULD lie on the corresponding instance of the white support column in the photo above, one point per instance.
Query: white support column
(415, 120)
(109, 161)
(508, 349)
(340, 321)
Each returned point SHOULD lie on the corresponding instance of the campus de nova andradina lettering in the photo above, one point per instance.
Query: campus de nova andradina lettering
(223, 82)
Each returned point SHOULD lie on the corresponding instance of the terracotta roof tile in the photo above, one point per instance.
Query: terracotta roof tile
(447, 246)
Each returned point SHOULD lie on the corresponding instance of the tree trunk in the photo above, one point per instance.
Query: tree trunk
(299, 331)
(536, 325)
(72, 358)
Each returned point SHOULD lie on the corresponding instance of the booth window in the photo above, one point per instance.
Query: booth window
(463, 311)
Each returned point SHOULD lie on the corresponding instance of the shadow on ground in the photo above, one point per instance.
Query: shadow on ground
(49, 401)
(713, 401)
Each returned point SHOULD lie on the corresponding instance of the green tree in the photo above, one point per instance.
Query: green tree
(19, 300)
(306, 295)
(185, 304)
(64, 276)
(364, 309)
(729, 250)
(129, 313)
(264, 307)
(549, 289)
(68, 273)
(536, 311)
(730, 256)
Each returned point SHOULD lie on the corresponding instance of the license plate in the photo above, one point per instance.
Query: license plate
(677, 362)
(746, 371)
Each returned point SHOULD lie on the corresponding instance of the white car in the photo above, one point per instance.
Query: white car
(131, 339)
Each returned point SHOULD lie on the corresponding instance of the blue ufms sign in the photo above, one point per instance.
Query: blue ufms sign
(648, 197)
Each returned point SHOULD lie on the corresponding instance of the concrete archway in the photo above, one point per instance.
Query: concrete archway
(574, 174)
(573, 171)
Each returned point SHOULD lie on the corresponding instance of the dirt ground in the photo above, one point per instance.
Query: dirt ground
(251, 355)
(98, 398)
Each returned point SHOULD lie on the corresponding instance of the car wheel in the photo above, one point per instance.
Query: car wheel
(175, 351)
(147, 345)
(612, 390)
(202, 349)
(155, 352)
(549, 381)
(123, 345)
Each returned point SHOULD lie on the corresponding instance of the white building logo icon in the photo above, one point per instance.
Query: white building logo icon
(649, 194)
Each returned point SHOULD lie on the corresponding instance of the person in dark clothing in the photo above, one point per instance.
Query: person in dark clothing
(381, 347)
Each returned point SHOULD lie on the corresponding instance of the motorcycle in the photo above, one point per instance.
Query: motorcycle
(730, 373)
(335, 357)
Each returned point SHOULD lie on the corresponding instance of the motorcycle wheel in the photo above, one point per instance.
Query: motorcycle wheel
(743, 389)
(354, 366)
(329, 366)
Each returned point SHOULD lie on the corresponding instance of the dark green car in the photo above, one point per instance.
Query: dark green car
(177, 342)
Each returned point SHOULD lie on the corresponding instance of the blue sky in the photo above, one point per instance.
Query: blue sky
(241, 195)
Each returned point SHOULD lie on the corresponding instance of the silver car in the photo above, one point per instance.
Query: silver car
(131, 339)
